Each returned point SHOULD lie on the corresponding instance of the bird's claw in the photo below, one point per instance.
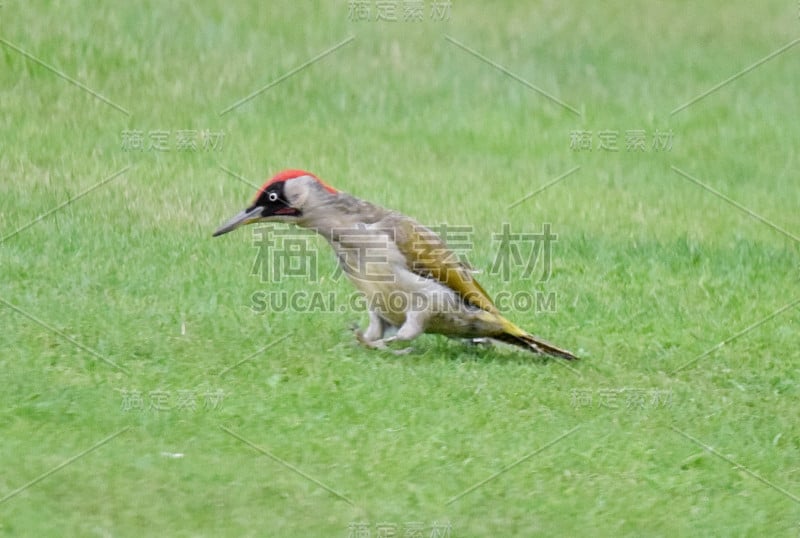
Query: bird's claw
(404, 351)
(360, 338)
(379, 344)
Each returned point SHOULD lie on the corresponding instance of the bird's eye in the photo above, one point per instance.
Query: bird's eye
(273, 196)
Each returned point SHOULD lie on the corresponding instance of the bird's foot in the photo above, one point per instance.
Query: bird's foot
(485, 342)
(399, 352)
(359, 334)
(361, 339)
(384, 346)
(380, 343)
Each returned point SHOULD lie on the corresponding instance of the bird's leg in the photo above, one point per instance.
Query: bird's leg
(413, 327)
(373, 337)
(374, 331)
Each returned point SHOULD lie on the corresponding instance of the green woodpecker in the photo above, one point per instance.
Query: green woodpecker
(410, 279)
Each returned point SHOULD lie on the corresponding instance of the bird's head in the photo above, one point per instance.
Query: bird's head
(287, 197)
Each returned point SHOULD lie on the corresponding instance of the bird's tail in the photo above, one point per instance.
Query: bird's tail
(520, 338)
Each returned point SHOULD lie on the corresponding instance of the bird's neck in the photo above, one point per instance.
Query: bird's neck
(334, 214)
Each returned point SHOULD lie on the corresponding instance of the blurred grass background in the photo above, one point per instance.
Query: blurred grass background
(650, 270)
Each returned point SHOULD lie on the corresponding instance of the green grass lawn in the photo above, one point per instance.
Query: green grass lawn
(143, 395)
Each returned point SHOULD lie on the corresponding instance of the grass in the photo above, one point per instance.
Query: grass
(650, 270)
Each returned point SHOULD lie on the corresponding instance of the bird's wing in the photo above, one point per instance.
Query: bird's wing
(428, 256)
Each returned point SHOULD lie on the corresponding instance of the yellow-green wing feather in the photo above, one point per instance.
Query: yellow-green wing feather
(429, 256)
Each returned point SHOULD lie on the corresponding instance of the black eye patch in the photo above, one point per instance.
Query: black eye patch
(271, 196)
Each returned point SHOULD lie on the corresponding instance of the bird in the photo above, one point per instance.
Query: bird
(412, 282)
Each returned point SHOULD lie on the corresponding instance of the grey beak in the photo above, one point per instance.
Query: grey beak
(245, 217)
